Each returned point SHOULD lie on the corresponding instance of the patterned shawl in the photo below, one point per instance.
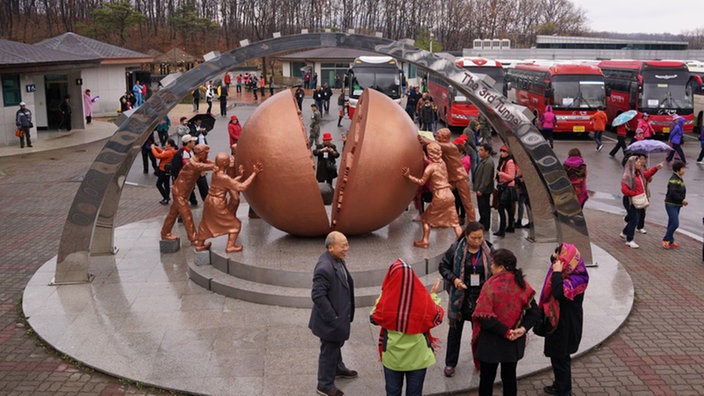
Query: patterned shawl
(457, 296)
(574, 282)
(405, 305)
(501, 299)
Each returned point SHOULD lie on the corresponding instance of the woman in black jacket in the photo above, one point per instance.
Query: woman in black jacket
(561, 302)
(505, 311)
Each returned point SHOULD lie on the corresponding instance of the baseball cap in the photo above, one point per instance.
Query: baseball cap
(187, 139)
(23, 104)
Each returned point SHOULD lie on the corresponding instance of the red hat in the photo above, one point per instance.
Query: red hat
(504, 148)
(234, 117)
(327, 136)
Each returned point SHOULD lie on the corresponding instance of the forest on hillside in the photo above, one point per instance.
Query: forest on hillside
(199, 26)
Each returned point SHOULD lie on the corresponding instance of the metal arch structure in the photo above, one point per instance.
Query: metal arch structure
(89, 227)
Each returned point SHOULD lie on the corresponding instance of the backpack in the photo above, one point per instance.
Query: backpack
(174, 166)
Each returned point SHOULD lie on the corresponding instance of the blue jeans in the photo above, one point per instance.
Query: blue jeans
(394, 382)
(597, 138)
(632, 216)
(673, 221)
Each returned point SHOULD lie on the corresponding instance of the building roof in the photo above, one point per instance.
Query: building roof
(174, 56)
(32, 58)
(544, 39)
(327, 53)
(108, 53)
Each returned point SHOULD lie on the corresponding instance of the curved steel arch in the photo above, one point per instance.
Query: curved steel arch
(90, 223)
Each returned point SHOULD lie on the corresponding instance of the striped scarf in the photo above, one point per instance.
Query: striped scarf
(405, 304)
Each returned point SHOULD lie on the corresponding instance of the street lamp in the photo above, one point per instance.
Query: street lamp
(431, 42)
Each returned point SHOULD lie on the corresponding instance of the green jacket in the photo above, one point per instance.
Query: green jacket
(406, 352)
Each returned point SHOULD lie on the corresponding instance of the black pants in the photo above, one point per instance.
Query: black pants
(484, 206)
(621, 144)
(454, 340)
(326, 106)
(147, 156)
(506, 208)
(676, 148)
(25, 137)
(562, 368)
(548, 135)
(163, 184)
(329, 363)
(210, 106)
(223, 106)
(487, 374)
(458, 204)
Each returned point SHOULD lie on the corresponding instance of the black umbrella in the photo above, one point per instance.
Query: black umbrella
(207, 121)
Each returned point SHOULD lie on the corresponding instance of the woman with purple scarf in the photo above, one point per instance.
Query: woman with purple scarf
(561, 302)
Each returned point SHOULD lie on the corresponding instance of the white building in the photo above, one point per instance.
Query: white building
(41, 75)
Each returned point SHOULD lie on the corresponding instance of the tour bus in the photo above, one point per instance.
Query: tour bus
(696, 73)
(454, 109)
(574, 91)
(381, 73)
(659, 88)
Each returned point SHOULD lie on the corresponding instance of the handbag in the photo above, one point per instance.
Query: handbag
(495, 195)
(640, 201)
(543, 328)
(331, 168)
(19, 132)
(509, 195)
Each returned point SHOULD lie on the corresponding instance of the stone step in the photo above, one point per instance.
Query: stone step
(219, 282)
(222, 261)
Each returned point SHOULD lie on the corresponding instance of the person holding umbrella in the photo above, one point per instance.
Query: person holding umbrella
(620, 122)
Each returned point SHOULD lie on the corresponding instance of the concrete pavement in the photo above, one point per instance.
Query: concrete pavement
(659, 350)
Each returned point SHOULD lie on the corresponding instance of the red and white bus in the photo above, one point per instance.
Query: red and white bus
(659, 88)
(574, 91)
(454, 109)
(696, 76)
(381, 73)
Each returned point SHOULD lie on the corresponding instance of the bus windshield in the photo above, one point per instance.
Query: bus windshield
(665, 89)
(386, 81)
(578, 91)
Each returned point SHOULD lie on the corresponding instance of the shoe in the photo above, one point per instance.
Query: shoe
(194, 204)
(599, 147)
(611, 155)
(642, 230)
(674, 245)
(421, 244)
(449, 371)
(700, 162)
(632, 244)
(347, 373)
(622, 235)
(462, 221)
(164, 202)
(29, 145)
(330, 392)
(550, 390)
(499, 234)
(665, 245)
(510, 229)
(518, 225)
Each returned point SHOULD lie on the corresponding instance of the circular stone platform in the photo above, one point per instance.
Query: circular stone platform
(142, 318)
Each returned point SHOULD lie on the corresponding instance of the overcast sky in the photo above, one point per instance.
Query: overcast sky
(644, 16)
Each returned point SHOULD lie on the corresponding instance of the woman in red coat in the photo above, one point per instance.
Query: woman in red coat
(633, 183)
(234, 129)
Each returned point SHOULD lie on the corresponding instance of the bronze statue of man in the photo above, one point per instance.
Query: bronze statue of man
(183, 185)
(456, 174)
(218, 219)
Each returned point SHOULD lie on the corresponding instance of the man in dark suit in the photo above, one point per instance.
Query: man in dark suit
(333, 311)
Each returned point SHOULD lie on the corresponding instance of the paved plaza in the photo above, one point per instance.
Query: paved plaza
(658, 350)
